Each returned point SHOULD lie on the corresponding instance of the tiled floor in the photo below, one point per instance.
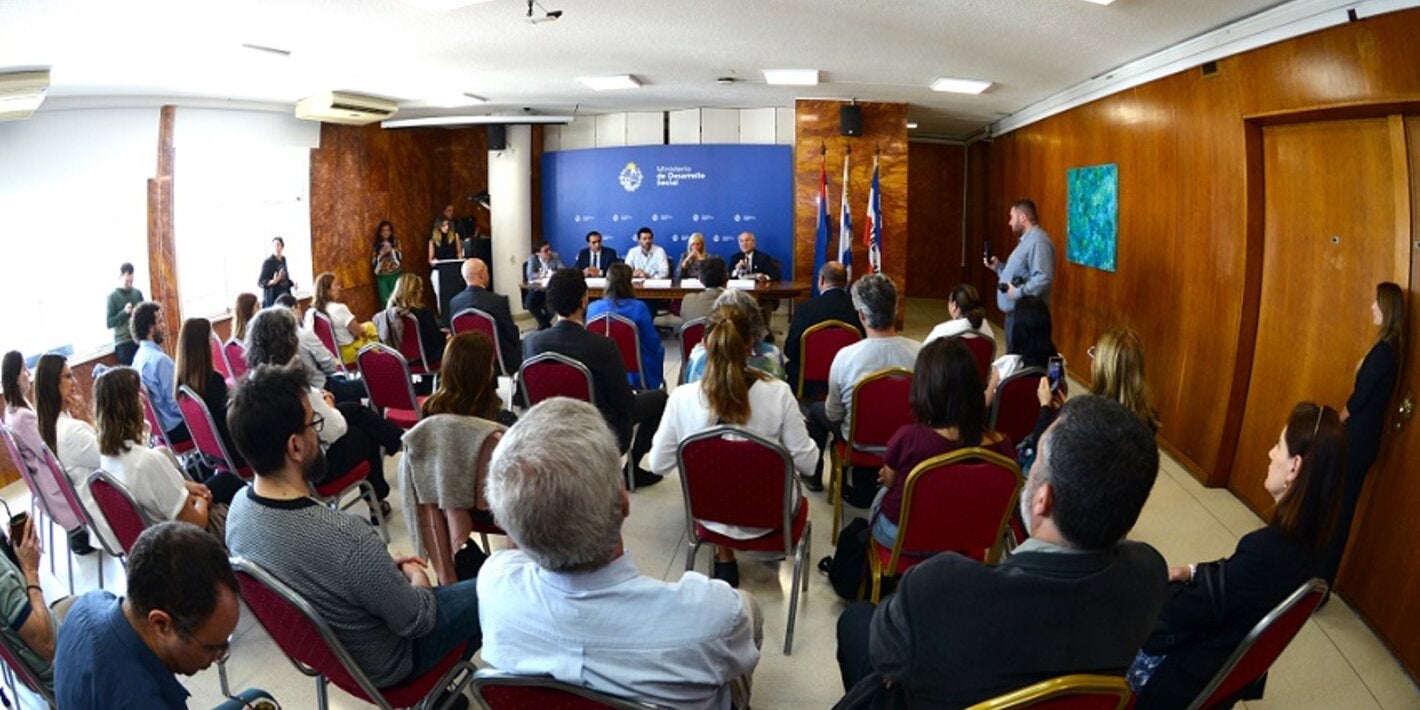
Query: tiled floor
(1336, 662)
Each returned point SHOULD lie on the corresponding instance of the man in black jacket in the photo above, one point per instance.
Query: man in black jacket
(593, 260)
(620, 406)
(831, 303)
(477, 295)
(1074, 598)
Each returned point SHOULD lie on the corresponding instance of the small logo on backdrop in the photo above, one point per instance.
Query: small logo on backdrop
(630, 177)
(703, 218)
(582, 218)
(695, 218)
(674, 237)
(747, 218)
(655, 218)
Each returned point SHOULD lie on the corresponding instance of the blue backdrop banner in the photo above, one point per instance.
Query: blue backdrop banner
(676, 190)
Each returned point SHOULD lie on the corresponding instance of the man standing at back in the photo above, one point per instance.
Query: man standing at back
(156, 369)
(477, 295)
(831, 303)
(1030, 269)
(1075, 597)
(121, 303)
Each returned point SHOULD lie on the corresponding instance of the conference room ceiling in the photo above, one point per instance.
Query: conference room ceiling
(140, 52)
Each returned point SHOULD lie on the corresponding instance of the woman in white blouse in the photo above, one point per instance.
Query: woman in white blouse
(732, 393)
(350, 333)
(967, 314)
(65, 428)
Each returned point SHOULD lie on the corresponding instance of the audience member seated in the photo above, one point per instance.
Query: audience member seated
(67, 429)
(951, 414)
(178, 617)
(1075, 597)
(28, 432)
(477, 295)
(351, 432)
(732, 392)
(320, 362)
(28, 624)
(1032, 344)
(150, 475)
(1213, 605)
(619, 404)
(156, 369)
(593, 260)
(471, 388)
(195, 372)
(831, 303)
(967, 315)
(567, 601)
(763, 356)
(875, 300)
(695, 257)
(620, 299)
(539, 267)
(350, 333)
(712, 274)
(246, 307)
(408, 297)
(383, 610)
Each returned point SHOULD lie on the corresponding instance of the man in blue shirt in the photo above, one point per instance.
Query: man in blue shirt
(1030, 269)
(156, 369)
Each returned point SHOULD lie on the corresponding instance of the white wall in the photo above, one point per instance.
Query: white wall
(692, 126)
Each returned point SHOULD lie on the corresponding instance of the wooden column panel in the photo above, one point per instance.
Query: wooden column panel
(934, 217)
(162, 253)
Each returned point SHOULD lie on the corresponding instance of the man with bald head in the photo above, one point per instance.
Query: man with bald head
(477, 295)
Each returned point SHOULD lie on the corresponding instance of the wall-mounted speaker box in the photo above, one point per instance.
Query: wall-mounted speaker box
(497, 136)
(850, 120)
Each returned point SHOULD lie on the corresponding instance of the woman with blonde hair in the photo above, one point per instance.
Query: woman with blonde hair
(444, 244)
(694, 257)
(245, 308)
(732, 392)
(350, 333)
(408, 295)
(1117, 372)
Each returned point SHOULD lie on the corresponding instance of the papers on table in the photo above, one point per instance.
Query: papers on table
(691, 283)
(596, 282)
(656, 283)
(742, 284)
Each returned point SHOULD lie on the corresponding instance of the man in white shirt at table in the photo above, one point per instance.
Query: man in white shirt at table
(567, 600)
(648, 261)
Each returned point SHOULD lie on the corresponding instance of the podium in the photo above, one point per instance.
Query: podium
(447, 277)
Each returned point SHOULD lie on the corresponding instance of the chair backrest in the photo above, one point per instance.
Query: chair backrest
(983, 350)
(1261, 647)
(1015, 407)
(691, 333)
(120, 511)
(11, 655)
(219, 357)
(756, 491)
(880, 407)
(204, 429)
(555, 375)
(300, 632)
(817, 348)
(325, 330)
(236, 357)
(441, 531)
(623, 332)
(150, 415)
(1069, 692)
(958, 502)
(470, 319)
(386, 378)
(504, 691)
(37, 493)
(411, 346)
(72, 500)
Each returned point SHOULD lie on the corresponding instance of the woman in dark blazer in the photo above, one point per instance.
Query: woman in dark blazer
(1212, 606)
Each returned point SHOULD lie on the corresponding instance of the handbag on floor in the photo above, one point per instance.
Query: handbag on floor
(849, 565)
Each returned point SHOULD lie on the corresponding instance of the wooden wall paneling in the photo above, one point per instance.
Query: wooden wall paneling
(538, 147)
(162, 252)
(934, 218)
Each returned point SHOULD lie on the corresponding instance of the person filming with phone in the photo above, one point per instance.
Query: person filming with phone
(1029, 270)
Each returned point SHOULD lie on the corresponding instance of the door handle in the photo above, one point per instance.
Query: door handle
(1403, 412)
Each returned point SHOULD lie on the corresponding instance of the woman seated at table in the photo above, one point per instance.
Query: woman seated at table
(620, 299)
(763, 355)
(694, 257)
(409, 296)
(350, 333)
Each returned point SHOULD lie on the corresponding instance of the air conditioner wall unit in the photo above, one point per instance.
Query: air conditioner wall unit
(21, 93)
(345, 108)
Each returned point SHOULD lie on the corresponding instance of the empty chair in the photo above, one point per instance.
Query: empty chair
(817, 348)
(387, 381)
(160, 437)
(880, 407)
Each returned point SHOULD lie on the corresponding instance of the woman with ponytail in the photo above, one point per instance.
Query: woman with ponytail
(967, 314)
(731, 392)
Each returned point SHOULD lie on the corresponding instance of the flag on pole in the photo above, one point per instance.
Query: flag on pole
(845, 224)
(873, 236)
(824, 233)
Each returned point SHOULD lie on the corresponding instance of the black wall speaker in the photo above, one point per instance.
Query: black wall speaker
(497, 136)
(850, 120)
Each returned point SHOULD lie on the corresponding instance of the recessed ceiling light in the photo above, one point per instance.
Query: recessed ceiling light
(791, 77)
(911, 125)
(1100, 2)
(610, 83)
(439, 5)
(960, 86)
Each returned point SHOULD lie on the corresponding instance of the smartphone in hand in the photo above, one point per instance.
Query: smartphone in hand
(1055, 371)
(18, 522)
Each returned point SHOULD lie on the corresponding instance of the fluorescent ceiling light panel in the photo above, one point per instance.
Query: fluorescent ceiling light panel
(791, 77)
(960, 86)
(516, 120)
(610, 83)
(21, 93)
(439, 5)
(1100, 2)
(911, 125)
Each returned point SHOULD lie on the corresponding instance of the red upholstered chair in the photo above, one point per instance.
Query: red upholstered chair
(41, 499)
(1070, 692)
(756, 491)
(313, 648)
(1015, 407)
(473, 319)
(817, 348)
(10, 653)
(236, 357)
(411, 346)
(120, 511)
(443, 531)
(880, 408)
(555, 375)
(325, 330)
(160, 436)
(387, 382)
(219, 359)
(71, 505)
(356, 480)
(690, 333)
(204, 433)
(623, 332)
(504, 691)
(1261, 647)
(983, 350)
(956, 502)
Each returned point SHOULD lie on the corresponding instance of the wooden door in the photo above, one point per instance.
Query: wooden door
(1329, 236)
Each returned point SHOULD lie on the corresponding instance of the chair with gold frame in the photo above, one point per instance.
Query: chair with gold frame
(879, 408)
(1069, 692)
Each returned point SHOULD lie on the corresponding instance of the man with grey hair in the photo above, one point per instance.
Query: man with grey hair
(567, 600)
(875, 300)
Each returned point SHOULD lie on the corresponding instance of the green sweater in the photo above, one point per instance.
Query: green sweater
(117, 319)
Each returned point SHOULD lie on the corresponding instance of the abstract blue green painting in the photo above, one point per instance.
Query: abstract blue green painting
(1093, 205)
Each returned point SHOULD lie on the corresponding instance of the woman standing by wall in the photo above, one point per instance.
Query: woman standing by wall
(387, 262)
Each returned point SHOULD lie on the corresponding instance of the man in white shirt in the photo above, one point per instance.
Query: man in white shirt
(568, 602)
(648, 261)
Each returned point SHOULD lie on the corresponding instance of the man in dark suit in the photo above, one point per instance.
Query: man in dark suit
(593, 260)
(1074, 598)
(831, 303)
(620, 406)
(477, 295)
(752, 263)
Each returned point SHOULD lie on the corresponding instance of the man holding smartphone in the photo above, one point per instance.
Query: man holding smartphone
(1030, 269)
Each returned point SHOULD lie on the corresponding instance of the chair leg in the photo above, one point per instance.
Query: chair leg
(50, 546)
(799, 577)
(222, 678)
(837, 500)
(100, 557)
(483, 537)
(70, 550)
(691, 548)
(367, 491)
(322, 696)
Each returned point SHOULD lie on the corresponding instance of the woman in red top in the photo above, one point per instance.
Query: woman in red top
(948, 401)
